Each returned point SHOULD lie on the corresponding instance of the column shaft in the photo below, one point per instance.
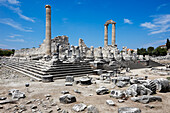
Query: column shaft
(113, 35)
(48, 30)
(105, 35)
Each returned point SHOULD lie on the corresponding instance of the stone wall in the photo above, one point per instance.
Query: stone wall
(60, 40)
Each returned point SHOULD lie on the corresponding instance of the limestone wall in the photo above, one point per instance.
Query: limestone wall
(61, 40)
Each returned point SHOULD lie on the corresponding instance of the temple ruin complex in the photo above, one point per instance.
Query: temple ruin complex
(43, 62)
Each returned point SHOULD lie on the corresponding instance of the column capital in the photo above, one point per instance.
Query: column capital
(47, 6)
(105, 24)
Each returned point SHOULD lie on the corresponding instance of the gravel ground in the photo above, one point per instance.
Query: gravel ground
(36, 91)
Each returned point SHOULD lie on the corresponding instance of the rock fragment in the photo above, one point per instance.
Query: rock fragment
(129, 110)
(162, 85)
(16, 94)
(65, 92)
(117, 94)
(120, 101)
(102, 90)
(146, 99)
(110, 103)
(92, 109)
(2, 98)
(85, 80)
(79, 107)
(65, 99)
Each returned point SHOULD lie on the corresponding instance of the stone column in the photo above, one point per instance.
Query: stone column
(105, 35)
(48, 30)
(113, 34)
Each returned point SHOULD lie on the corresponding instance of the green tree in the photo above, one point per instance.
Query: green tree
(13, 51)
(168, 44)
(142, 51)
(160, 51)
(1, 53)
(150, 51)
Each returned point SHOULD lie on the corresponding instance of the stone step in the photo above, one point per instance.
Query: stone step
(26, 71)
(63, 77)
(61, 66)
(35, 78)
(60, 75)
(72, 74)
(59, 71)
(54, 70)
(68, 71)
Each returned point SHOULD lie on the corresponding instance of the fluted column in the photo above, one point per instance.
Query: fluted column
(113, 34)
(48, 30)
(105, 35)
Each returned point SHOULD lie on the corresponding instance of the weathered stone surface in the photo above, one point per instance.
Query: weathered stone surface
(1, 107)
(162, 85)
(129, 110)
(27, 85)
(65, 99)
(137, 89)
(68, 84)
(102, 90)
(29, 102)
(65, 92)
(110, 103)
(85, 81)
(8, 101)
(16, 94)
(79, 107)
(69, 79)
(92, 109)
(77, 91)
(149, 106)
(121, 84)
(133, 81)
(123, 78)
(150, 84)
(2, 98)
(146, 99)
(47, 95)
(117, 94)
(120, 101)
(33, 107)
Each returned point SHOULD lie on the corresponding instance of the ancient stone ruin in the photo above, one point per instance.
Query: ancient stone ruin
(89, 74)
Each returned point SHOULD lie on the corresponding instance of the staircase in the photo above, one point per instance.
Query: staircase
(142, 64)
(39, 70)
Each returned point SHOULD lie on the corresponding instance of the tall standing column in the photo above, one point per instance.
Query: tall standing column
(105, 35)
(113, 34)
(48, 30)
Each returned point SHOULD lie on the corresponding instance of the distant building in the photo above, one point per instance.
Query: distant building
(162, 46)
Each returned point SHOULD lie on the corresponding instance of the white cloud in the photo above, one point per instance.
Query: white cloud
(12, 23)
(160, 24)
(15, 40)
(25, 17)
(2, 45)
(2, 1)
(16, 10)
(14, 35)
(13, 1)
(64, 20)
(127, 21)
(79, 2)
(155, 43)
(159, 7)
(148, 25)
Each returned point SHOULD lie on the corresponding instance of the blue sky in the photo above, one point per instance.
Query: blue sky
(139, 23)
